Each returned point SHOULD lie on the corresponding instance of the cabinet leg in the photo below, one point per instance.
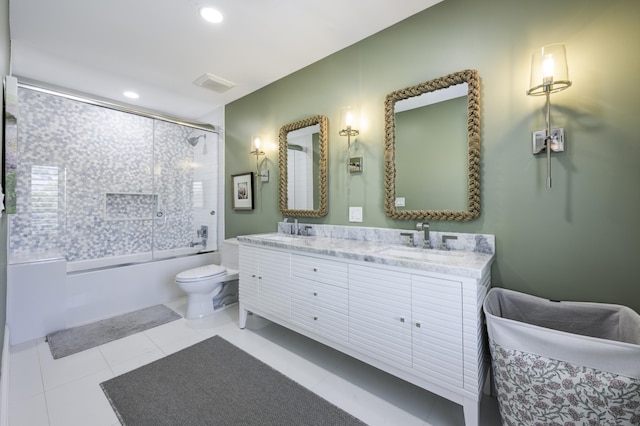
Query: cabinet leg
(471, 412)
(243, 315)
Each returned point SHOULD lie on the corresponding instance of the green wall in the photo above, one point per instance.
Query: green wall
(577, 241)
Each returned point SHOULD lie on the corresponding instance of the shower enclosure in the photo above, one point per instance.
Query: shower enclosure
(100, 187)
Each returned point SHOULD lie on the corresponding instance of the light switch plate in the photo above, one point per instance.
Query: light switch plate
(264, 175)
(355, 214)
(400, 202)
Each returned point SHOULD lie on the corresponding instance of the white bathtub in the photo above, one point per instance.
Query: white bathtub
(51, 294)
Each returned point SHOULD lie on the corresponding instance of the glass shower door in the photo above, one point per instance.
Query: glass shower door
(186, 184)
(84, 183)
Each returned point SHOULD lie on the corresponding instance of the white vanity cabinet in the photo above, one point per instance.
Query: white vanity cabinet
(265, 280)
(420, 324)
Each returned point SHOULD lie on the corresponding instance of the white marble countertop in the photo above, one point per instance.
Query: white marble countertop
(454, 262)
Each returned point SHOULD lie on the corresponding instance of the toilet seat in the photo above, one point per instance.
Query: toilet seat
(200, 273)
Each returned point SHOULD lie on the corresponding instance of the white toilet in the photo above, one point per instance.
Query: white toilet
(211, 288)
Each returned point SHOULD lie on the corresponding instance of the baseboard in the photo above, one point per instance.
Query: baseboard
(4, 380)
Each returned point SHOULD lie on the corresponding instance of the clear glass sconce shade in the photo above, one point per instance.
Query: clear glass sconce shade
(348, 121)
(549, 70)
(257, 144)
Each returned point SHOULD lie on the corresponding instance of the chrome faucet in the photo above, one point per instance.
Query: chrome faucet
(203, 232)
(424, 226)
(293, 229)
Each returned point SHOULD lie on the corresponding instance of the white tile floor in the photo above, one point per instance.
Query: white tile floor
(66, 392)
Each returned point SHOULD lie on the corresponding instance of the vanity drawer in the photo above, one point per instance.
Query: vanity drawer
(319, 295)
(321, 308)
(321, 270)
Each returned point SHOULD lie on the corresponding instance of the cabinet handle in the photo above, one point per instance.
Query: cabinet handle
(315, 318)
(402, 319)
(259, 278)
(253, 275)
(418, 325)
(315, 293)
(315, 269)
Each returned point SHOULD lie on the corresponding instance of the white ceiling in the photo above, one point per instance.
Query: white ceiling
(159, 47)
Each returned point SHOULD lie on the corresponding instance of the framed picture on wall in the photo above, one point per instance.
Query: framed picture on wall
(242, 191)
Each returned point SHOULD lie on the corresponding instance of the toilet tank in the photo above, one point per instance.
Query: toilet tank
(229, 253)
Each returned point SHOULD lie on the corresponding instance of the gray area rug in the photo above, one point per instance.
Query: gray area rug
(215, 383)
(77, 339)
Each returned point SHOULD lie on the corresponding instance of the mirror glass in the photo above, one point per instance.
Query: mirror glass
(432, 148)
(303, 167)
(303, 164)
(441, 118)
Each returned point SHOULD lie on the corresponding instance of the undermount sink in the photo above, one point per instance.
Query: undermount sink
(287, 238)
(426, 255)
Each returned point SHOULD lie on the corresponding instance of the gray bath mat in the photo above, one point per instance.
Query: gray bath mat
(215, 383)
(72, 340)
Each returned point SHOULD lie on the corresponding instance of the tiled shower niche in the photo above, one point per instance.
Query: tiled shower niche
(95, 183)
(130, 206)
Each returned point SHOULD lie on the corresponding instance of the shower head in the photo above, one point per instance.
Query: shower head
(193, 141)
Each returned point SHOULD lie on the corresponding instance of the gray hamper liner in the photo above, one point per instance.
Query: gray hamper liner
(563, 363)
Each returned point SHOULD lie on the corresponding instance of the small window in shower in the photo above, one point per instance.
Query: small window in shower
(44, 200)
(198, 194)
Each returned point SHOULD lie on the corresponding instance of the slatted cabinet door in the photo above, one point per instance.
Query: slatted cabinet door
(274, 282)
(265, 280)
(437, 329)
(380, 314)
(248, 286)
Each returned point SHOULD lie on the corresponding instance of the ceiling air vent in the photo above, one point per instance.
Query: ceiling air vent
(213, 82)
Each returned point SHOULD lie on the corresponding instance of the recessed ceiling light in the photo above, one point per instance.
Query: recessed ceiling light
(210, 14)
(131, 95)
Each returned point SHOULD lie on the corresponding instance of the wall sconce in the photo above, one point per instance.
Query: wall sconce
(348, 129)
(256, 146)
(549, 74)
(256, 149)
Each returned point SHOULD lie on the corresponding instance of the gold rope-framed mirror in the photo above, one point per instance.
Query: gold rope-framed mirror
(319, 205)
(472, 79)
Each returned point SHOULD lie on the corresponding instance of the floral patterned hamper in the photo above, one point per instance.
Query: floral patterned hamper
(563, 363)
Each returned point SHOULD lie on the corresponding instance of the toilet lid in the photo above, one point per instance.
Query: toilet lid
(206, 271)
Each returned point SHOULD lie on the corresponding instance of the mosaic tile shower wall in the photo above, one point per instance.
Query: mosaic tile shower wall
(95, 182)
